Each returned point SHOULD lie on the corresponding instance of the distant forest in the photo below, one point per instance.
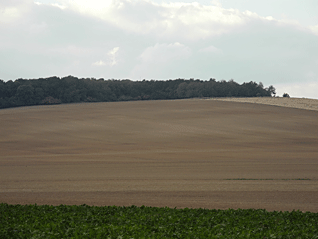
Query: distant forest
(70, 89)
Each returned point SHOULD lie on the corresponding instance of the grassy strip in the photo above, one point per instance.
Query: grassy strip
(34, 221)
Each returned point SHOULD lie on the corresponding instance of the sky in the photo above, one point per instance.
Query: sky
(274, 42)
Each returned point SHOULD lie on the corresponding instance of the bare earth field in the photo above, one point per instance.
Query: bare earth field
(180, 153)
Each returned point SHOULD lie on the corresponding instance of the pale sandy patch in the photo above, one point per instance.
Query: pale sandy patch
(299, 103)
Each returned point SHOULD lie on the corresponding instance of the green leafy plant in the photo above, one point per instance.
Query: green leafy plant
(34, 221)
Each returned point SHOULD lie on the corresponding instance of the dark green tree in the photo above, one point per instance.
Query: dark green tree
(272, 91)
(25, 94)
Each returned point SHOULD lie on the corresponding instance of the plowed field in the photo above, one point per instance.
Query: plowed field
(180, 153)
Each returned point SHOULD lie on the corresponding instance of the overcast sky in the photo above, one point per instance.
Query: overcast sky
(274, 42)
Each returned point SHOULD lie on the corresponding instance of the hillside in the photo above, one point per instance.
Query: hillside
(176, 153)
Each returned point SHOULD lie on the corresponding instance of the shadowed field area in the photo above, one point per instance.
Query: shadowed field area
(181, 153)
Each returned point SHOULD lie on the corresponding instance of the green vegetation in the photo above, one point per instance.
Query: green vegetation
(55, 90)
(33, 221)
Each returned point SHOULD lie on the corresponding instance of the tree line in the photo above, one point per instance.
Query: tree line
(70, 89)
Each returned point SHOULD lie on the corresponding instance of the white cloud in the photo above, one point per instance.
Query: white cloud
(58, 6)
(305, 12)
(54, 4)
(99, 63)
(13, 10)
(189, 20)
(314, 29)
(269, 18)
(14, 3)
(170, 21)
(95, 8)
(112, 56)
(154, 60)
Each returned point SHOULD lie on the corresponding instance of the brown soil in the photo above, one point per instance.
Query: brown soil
(181, 153)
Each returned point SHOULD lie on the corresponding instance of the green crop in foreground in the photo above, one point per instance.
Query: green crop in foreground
(33, 221)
